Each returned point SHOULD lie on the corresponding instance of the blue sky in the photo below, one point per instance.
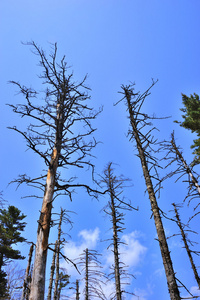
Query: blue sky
(114, 42)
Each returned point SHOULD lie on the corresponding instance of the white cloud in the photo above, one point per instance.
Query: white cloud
(195, 291)
(142, 294)
(90, 237)
(132, 251)
(72, 250)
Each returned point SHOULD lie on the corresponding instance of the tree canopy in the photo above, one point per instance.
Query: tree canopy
(11, 226)
(191, 120)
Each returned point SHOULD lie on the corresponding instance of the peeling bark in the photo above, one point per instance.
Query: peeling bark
(39, 269)
(51, 135)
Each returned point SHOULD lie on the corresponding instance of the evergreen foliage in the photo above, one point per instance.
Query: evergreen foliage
(191, 121)
(11, 225)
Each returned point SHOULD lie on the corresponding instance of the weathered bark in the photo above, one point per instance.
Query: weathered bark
(27, 279)
(86, 276)
(52, 273)
(39, 269)
(57, 257)
(52, 137)
(167, 262)
(77, 290)
(189, 252)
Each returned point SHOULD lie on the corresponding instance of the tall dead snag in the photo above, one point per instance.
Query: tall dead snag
(53, 265)
(59, 135)
(60, 277)
(114, 209)
(93, 276)
(27, 279)
(186, 241)
(62, 215)
(145, 141)
(77, 290)
(174, 155)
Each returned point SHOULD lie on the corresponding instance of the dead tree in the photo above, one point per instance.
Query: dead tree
(60, 135)
(94, 277)
(186, 242)
(114, 209)
(27, 279)
(77, 290)
(53, 265)
(62, 215)
(174, 155)
(144, 141)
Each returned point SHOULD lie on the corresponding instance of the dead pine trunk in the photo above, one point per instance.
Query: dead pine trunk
(189, 252)
(167, 262)
(57, 256)
(77, 290)
(39, 269)
(26, 285)
(115, 239)
(86, 275)
(52, 273)
(54, 113)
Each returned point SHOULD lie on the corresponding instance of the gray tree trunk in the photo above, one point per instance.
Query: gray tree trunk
(86, 275)
(57, 257)
(115, 241)
(39, 269)
(77, 290)
(52, 273)
(167, 262)
(26, 285)
(189, 252)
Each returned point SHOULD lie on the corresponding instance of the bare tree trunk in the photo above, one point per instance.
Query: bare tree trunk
(169, 271)
(77, 290)
(26, 285)
(57, 256)
(52, 273)
(115, 239)
(189, 252)
(86, 275)
(63, 107)
(39, 269)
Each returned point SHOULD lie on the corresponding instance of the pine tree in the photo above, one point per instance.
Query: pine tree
(191, 120)
(11, 226)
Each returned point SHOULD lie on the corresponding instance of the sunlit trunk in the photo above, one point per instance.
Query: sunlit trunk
(39, 268)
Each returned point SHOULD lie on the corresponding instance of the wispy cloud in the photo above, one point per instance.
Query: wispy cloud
(132, 251)
(88, 239)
